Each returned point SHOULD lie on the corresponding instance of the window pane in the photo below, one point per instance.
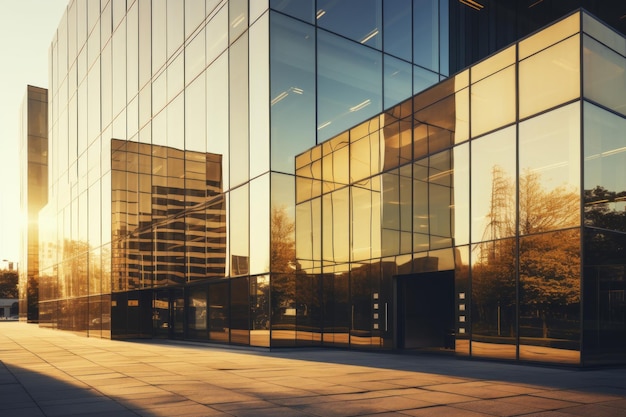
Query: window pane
(604, 76)
(605, 169)
(422, 79)
(292, 63)
(239, 231)
(259, 97)
(175, 26)
(238, 82)
(195, 116)
(549, 159)
(301, 9)
(493, 186)
(260, 225)
(349, 84)
(550, 297)
(426, 33)
(217, 35)
(219, 318)
(359, 20)
(238, 18)
(195, 57)
(461, 184)
(240, 311)
(493, 101)
(397, 26)
(550, 77)
(197, 312)
(335, 229)
(194, 14)
(217, 114)
(549, 36)
(397, 81)
(493, 299)
(260, 311)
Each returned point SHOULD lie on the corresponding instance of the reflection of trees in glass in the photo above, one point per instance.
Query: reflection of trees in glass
(550, 278)
(549, 267)
(541, 210)
(601, 210)
(283, 264)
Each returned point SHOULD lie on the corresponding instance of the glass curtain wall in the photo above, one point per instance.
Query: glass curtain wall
(34, 185)
(604, 215)
(475, 178)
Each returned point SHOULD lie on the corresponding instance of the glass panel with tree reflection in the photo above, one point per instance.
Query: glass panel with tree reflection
(605, 169)
(549, 158)
(549, 323)
(493, 186)
(494, 299)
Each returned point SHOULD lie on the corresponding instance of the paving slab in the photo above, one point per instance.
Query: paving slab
(45, 373)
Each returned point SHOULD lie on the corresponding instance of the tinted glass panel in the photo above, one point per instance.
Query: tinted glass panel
(605, 169)
(549, 174)
(349, 84)
(549, 323)
(260, 311)
(493, 299)
(197, 313)
(604, 75)
(292, 62)
(550, 77)
(359, 20)
(493, 185)
(219, 317)
(397, 25)
(397, 81)
(301, 9)
(426, 33)
(493, 101)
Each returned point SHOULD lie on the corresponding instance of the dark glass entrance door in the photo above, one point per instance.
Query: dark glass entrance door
(425, 311)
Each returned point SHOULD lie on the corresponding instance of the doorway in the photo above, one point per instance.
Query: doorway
(425, 311)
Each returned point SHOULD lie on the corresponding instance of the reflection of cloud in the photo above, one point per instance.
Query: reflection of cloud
(285, 93)
(323, 125)
(361, 105)
(606, 153)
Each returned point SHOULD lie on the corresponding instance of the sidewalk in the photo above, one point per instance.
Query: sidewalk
(53, 373)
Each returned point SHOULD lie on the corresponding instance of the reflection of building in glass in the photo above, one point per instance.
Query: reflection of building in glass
(168, 216)
(290, 173)
(34, 177)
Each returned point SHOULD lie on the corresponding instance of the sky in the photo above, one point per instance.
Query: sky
(26, 31)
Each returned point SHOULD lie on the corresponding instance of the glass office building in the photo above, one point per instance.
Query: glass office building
(339, 173)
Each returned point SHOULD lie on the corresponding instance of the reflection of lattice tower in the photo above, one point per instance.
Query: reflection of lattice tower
(499, 221)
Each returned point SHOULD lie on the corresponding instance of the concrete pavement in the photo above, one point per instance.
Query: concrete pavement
(53, 373)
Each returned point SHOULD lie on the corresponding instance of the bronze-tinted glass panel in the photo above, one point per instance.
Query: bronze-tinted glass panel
(493, 186)
(219, 308)
(493, 103)
(549, 286)
(283, 309)
(239, 231)
(493, 300)
(549, 171)
(240, 310)
(550, 77)
(260, 311)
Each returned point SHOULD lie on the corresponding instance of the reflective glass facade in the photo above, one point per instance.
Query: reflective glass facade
(282, 173)
(468, 217)
(34, 195)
